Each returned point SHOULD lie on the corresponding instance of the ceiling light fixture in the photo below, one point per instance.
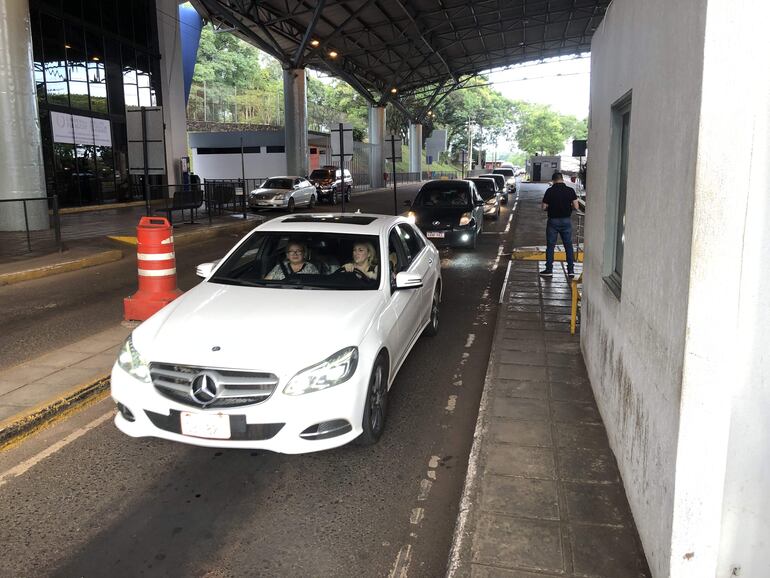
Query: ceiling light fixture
(314, 42)
(333, 54)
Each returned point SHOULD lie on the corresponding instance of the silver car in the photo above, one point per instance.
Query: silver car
(283, 193)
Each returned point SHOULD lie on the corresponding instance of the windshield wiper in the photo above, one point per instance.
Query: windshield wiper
(234, 281)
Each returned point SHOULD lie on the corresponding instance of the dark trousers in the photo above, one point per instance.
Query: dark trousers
(554, 229)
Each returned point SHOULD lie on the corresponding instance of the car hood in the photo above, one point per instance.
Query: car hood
(255, 327)
(322, 181)
(269, 191)
(446, 215)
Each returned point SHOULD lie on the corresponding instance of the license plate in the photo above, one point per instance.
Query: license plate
(214, 426)
(435, 234)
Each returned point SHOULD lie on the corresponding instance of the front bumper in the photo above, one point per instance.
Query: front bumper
(274, 425)
(267, 203)
(454, 237)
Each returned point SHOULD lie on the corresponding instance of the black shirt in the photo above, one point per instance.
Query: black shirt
(559, 199)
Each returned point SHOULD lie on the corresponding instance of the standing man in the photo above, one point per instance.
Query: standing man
(559, 200)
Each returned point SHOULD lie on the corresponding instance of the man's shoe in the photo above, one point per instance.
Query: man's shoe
(546, 273)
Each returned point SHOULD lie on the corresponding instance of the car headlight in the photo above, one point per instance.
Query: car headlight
(411, 216)
(130, 361)
(332, 371)
(278, 197)
(465, 219)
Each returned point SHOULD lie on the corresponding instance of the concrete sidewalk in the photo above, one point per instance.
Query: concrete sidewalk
(543, 496)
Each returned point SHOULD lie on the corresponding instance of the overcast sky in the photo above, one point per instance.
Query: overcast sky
(563, 84)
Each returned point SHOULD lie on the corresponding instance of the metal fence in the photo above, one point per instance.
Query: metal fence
(28, 239)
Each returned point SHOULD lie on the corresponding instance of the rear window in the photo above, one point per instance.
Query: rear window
(504, 172)
(485, 187)
(321, 174)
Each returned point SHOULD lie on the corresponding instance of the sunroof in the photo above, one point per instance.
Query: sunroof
(343, 219)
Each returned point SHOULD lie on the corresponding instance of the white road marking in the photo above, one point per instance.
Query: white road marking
(432, 475)
(401, 566)
(458, 383)
(505, 282)
(470, 340)
(425, 486)
(26, 465)
(417, 516)
(434, 462)
(451, 403)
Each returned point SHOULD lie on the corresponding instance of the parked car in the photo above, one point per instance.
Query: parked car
(487, 189)
(330, 183)
(292, 365)
(449, 212)
(500, 181)
(283, 193)
(510, 178)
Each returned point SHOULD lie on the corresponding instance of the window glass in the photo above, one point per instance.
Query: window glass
(105, 173)
(109, 15)
(620, 233)
(38, 63)
(97, 79)
(397, 255)
(125, 20)
(55, 64)
(412, 241)
(442, 196)
(325, 261)
(141, 13)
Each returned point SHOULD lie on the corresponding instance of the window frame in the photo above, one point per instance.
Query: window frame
(617, 194)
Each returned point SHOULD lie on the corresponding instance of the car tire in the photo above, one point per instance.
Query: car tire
(347, 194)
(333, 197)
(290, 205)
(311, 202)
(432, 328)
(375, 404)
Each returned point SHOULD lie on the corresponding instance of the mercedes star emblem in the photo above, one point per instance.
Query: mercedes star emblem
(204, 389)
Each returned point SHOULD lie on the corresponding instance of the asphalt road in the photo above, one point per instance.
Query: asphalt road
(82, 499)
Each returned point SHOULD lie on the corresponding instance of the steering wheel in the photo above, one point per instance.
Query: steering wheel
(360, 275)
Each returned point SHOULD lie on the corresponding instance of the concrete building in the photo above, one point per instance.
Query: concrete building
(217, 155)
(676, 276)
(74, 71)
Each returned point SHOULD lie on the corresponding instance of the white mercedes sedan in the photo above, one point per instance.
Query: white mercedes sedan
(290, 343)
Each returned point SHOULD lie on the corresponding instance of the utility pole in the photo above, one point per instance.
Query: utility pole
(470, 146)
(481, 142)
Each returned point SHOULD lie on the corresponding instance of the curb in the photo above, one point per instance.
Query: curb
(73, 265)
(238, 227)
(21, 426)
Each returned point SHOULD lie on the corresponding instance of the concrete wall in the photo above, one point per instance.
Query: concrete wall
(228, 166)
(678, 362)
(634, 345)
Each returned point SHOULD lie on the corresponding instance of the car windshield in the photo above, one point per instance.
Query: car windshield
(321, 174)
(278, 184)
(303, 260)
(446, 196)
(504, 172)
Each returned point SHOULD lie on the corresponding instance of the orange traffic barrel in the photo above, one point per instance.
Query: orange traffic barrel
(156, 269)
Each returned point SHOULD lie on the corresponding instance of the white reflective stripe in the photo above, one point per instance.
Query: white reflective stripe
(156, 272)
(154, 256)
(169, 241)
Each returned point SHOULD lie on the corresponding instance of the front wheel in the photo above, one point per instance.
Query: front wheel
(311, 202)
(333, 197)
(347, 194)
(432, 328)
(376, 404)
(290, 206)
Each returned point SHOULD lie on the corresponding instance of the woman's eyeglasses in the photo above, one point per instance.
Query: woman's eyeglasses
(295, 252)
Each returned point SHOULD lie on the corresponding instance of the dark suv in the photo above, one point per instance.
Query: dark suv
(330, 184)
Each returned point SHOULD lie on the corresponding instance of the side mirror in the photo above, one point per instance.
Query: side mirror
(406, 280)
(205, 269)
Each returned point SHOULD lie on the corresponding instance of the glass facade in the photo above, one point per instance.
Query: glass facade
(92, 59)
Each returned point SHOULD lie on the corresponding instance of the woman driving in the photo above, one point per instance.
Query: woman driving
(364, 260)
(294, 264)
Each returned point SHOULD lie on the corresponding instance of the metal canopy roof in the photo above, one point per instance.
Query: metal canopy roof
(422, 48)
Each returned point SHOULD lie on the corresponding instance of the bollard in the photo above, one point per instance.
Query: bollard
(156, 268)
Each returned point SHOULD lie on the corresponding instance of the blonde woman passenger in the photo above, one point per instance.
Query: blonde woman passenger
(294, 264)
(364, 260)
